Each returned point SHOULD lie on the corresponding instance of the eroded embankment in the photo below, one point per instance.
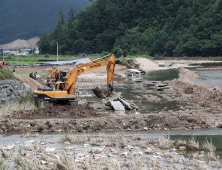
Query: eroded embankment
(164, 121)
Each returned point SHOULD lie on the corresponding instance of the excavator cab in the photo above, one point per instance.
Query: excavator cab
(60, 86)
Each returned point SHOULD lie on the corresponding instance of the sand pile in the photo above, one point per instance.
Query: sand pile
(147, 64)
(33, 84)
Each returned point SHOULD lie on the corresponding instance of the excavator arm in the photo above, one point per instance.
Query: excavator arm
(110, 63)
(51, 75)
(64, 91)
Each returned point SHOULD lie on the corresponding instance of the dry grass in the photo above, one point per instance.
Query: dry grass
(12, 107)
(165, 142)
(3, 164)
(208, 146)
(178, 143)
(66, 162)
(192, 144)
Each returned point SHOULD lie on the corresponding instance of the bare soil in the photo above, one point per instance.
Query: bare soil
(57, 112)
(33, 84)
(205, 112)
(205, 96)
(96, 76)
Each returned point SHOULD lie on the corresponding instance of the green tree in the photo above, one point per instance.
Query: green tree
(170, 47)
(191, 46)
(118, 52)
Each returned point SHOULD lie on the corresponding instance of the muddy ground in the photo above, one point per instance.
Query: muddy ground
(57, 112)
(203, 110)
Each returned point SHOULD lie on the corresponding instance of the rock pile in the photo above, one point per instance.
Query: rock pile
(12, 90)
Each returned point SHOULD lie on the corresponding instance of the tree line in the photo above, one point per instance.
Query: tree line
(131, 27)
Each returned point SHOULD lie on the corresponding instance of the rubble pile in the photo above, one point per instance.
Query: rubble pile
(118, 103)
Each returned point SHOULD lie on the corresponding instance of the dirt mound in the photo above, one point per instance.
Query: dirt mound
(58, 112)
(22, 43)
(33, 84)
(204, 95)
(146, 64)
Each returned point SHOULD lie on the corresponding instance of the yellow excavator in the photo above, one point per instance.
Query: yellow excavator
(64, 92)
(56, 75)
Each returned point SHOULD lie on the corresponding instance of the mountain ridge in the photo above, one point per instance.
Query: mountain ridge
(25, 19)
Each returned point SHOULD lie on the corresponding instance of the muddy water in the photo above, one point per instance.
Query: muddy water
(214, 135)
(136, 93)
(162, 75)
(210, 77)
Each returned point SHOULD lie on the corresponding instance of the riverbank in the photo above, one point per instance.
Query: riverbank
(153, 65)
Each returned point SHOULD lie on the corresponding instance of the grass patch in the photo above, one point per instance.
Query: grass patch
(165, 142)
(6, 74)
(34, 59)
(26, 103)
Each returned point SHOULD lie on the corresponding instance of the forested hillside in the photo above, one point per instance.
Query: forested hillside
(24, 19)
(161, 27)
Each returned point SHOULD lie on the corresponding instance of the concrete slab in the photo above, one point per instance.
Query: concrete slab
(117, 105)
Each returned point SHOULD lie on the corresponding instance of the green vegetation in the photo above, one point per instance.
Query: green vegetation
(6, 74)
(37, 73)
(157, 28)
(35, 59)
(26, 103)
(25, 19)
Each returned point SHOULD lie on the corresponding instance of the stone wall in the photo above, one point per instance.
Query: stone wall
(12, 90)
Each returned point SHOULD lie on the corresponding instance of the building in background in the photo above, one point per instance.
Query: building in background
(21, 47)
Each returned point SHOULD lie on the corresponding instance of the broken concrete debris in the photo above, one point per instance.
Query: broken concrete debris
(131, 72)
(156, 85)
(118, 103)
(119, 75)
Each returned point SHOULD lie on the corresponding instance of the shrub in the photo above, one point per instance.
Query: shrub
(104, 53)
(118, 52)
(46, 55)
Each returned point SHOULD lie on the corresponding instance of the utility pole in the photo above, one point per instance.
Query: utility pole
(57, 51)
(3, 52)
(32, 50)
(16, 56)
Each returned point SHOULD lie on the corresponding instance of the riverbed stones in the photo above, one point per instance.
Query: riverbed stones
(182, 148)
(10, 147)
(49, 149)
(97, 150)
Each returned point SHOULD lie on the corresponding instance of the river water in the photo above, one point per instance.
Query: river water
(210, 77)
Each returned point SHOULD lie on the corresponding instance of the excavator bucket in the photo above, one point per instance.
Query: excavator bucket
(99, 93)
